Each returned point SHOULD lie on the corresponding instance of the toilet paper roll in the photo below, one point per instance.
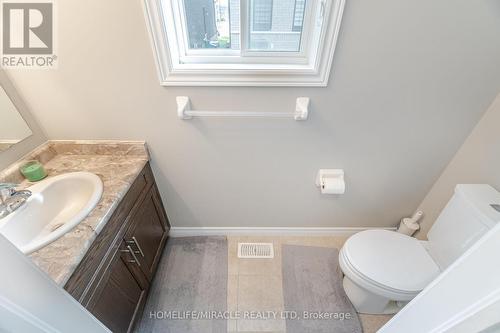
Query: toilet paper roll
(333, 186)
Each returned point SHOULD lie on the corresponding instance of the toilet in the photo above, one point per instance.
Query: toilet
(384, 270)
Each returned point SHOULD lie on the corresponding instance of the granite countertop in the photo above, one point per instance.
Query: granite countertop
(117, 164)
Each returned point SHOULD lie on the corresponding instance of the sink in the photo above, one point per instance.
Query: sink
(57, 205)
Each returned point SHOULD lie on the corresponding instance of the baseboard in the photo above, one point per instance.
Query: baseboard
(270, 231)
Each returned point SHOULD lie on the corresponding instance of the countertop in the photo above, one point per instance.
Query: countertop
(117, 164)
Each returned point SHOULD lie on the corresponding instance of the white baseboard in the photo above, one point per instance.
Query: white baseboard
(270, 231)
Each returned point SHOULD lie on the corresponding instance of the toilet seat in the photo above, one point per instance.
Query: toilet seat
(388, 263)
(372, 285)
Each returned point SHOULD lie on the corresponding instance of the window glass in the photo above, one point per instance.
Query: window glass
(298, 15)
(276, 25)
(262, 15)
(208, 23)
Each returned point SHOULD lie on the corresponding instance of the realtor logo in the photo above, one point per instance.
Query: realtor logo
(28, 34)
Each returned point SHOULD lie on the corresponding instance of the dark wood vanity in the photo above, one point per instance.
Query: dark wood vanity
(113, 279)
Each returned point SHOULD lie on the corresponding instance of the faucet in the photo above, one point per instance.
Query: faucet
(11, 199)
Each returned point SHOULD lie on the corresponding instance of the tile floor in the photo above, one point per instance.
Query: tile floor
(256, 284)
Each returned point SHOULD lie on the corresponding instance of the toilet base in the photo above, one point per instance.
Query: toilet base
(365, 301)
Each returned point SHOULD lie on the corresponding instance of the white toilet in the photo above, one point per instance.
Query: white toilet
(384, 270)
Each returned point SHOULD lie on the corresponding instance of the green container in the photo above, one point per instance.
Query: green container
(33, 171)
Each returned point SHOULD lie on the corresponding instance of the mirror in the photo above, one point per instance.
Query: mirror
(13, 128)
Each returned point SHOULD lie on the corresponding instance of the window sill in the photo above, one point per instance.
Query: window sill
(286, 76)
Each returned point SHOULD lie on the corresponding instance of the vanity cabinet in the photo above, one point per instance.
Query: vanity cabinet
(147, 234)
(119, 302)
(113, 279)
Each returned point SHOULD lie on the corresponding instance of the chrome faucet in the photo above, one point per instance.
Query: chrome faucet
(11, 199)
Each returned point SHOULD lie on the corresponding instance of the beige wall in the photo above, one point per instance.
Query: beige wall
(28, 144)
(410, 79)
(477, 162)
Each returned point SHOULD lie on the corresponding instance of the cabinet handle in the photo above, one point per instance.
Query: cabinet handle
(134, 241)
(129, 250)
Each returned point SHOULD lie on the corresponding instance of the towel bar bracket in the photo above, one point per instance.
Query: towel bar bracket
(183, 105)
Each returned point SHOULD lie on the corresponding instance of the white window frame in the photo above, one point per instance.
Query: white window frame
(180, 66)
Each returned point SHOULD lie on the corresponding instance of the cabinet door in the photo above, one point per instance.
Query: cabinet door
(121, 297)
(148, 232)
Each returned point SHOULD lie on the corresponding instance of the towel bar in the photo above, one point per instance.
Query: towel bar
(184, 111)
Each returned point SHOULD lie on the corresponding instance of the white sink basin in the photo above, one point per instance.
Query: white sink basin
(56, 206)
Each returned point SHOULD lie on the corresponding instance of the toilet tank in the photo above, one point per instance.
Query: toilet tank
(469, 214)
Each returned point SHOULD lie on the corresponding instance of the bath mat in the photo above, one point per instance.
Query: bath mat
(191, 282)
(313, 292)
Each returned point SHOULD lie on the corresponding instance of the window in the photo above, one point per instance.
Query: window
(244, 42)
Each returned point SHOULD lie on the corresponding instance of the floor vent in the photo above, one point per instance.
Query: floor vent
(255, 250)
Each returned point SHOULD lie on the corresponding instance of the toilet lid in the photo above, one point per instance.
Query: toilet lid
(391, 259)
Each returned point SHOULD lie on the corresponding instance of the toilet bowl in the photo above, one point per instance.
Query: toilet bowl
(384, 270)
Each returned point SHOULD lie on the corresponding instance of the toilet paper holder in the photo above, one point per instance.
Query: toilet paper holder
(330, 174)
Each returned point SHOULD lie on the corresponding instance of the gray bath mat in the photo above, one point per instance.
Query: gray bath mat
(191, 277)
(312, 289)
